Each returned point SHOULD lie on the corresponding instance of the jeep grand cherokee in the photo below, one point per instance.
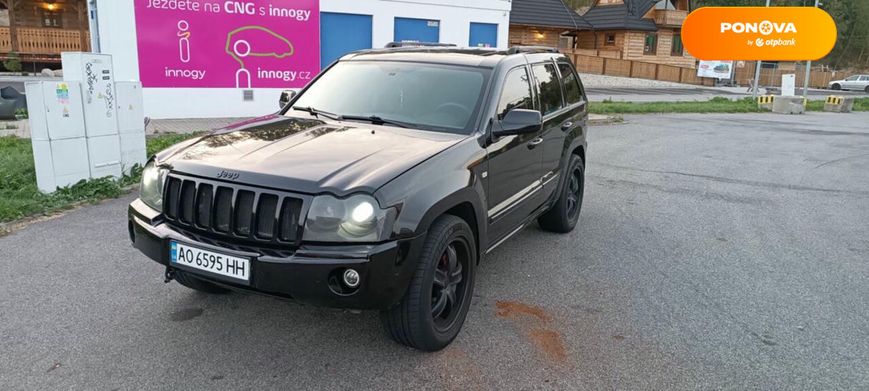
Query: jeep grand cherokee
(381, 185)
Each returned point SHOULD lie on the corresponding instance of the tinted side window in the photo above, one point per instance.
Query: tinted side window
(516, 93)
(549, 86)
(572, 92)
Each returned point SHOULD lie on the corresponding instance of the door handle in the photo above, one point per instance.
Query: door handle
(534, 143)
(566, 126)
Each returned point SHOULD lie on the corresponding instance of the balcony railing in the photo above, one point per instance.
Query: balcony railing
(33, 40)
(670, 18)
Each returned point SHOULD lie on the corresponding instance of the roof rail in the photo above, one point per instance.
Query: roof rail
(404, 44)
(531, 49)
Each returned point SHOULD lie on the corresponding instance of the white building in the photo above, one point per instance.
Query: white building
(187, 52)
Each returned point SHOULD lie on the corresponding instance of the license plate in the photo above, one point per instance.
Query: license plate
(210, 261)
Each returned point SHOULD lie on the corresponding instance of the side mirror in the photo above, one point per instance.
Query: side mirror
(286, 97)
(519, 121)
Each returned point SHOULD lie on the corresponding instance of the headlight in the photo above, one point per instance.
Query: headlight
(355, 219)
(151, 190)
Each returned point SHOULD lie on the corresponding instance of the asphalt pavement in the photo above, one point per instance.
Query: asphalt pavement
(714, 251)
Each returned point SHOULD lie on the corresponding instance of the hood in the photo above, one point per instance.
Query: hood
(307, 155)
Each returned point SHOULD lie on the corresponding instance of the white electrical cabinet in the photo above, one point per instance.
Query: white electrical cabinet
(104, 153)
(58, 134)
(131, 124)
(99, 103)
(97, 78)
(88, 126)
(131, 111)
(55, 110)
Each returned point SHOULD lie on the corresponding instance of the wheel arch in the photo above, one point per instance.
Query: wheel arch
(580, 151)
(464, 204)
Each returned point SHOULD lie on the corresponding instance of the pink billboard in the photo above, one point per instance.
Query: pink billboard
(228, 44)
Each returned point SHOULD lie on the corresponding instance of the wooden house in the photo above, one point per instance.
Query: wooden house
(544, 23)
(38, 30)
(641, 30)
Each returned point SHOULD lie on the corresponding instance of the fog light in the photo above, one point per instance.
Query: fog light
(351, 278)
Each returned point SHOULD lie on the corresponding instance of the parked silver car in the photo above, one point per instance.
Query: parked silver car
(855, 82)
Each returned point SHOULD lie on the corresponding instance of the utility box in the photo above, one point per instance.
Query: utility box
(839, 104)
(96, 75)
(131, 111)
(131, 124)
(99, 103)
(57, 133)
(81, 127)
(788, 84)
(55, 110)
(104, 153)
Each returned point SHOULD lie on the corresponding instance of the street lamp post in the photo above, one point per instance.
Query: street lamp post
(757, 72)
(808, 70)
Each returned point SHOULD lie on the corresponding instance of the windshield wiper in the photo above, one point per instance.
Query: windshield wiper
(376, 120)
(317, 113)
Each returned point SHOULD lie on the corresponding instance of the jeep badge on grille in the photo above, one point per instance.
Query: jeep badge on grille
(227, 175)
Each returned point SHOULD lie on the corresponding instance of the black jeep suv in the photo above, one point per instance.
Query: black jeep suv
(379, 186)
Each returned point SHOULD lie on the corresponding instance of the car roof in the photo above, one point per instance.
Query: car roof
(476, 57)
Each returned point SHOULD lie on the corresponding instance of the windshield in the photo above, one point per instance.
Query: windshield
(428, 96)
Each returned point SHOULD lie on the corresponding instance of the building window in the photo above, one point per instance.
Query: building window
(610, 39)
(651, 45)
(52, 19)
(677, 49)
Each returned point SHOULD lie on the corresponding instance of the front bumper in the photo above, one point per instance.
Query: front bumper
(385, 269)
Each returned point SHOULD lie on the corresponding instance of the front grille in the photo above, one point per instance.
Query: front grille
(222, 211)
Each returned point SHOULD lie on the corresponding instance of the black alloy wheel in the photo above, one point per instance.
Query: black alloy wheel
(448, 285)
(563, 215)
(574, 193)
(433, 310)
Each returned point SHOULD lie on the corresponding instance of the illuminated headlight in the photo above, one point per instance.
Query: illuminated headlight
(151, 190)
(355, 219)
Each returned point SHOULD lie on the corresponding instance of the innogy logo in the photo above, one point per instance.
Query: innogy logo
(765, 27)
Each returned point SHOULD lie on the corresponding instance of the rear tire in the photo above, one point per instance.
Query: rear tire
(189, 281)
(836, 86)
(564, 214)
(866, 89)
(433, 310)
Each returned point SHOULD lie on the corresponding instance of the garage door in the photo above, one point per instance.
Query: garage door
(484, 35)
(341, 34)
(418, 30)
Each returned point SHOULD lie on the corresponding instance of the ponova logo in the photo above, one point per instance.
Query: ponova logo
(765, 27)
(759, 33)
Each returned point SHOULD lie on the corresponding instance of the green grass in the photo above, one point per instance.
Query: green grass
(20, 198)
(714, 105)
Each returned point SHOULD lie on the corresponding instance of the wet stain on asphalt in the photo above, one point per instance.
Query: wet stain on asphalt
(185, 314)
(545, 338)
(619, 337)
(550, 342)
(507, 309)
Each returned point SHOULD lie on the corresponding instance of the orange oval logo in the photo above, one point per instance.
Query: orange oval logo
(759, 33)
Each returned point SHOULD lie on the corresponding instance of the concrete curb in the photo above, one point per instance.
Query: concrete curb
(599, 120)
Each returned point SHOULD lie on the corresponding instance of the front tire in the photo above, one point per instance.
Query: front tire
(433, 310)
(836, 86)
(564, 214)
(197, 284)
(866, 89)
